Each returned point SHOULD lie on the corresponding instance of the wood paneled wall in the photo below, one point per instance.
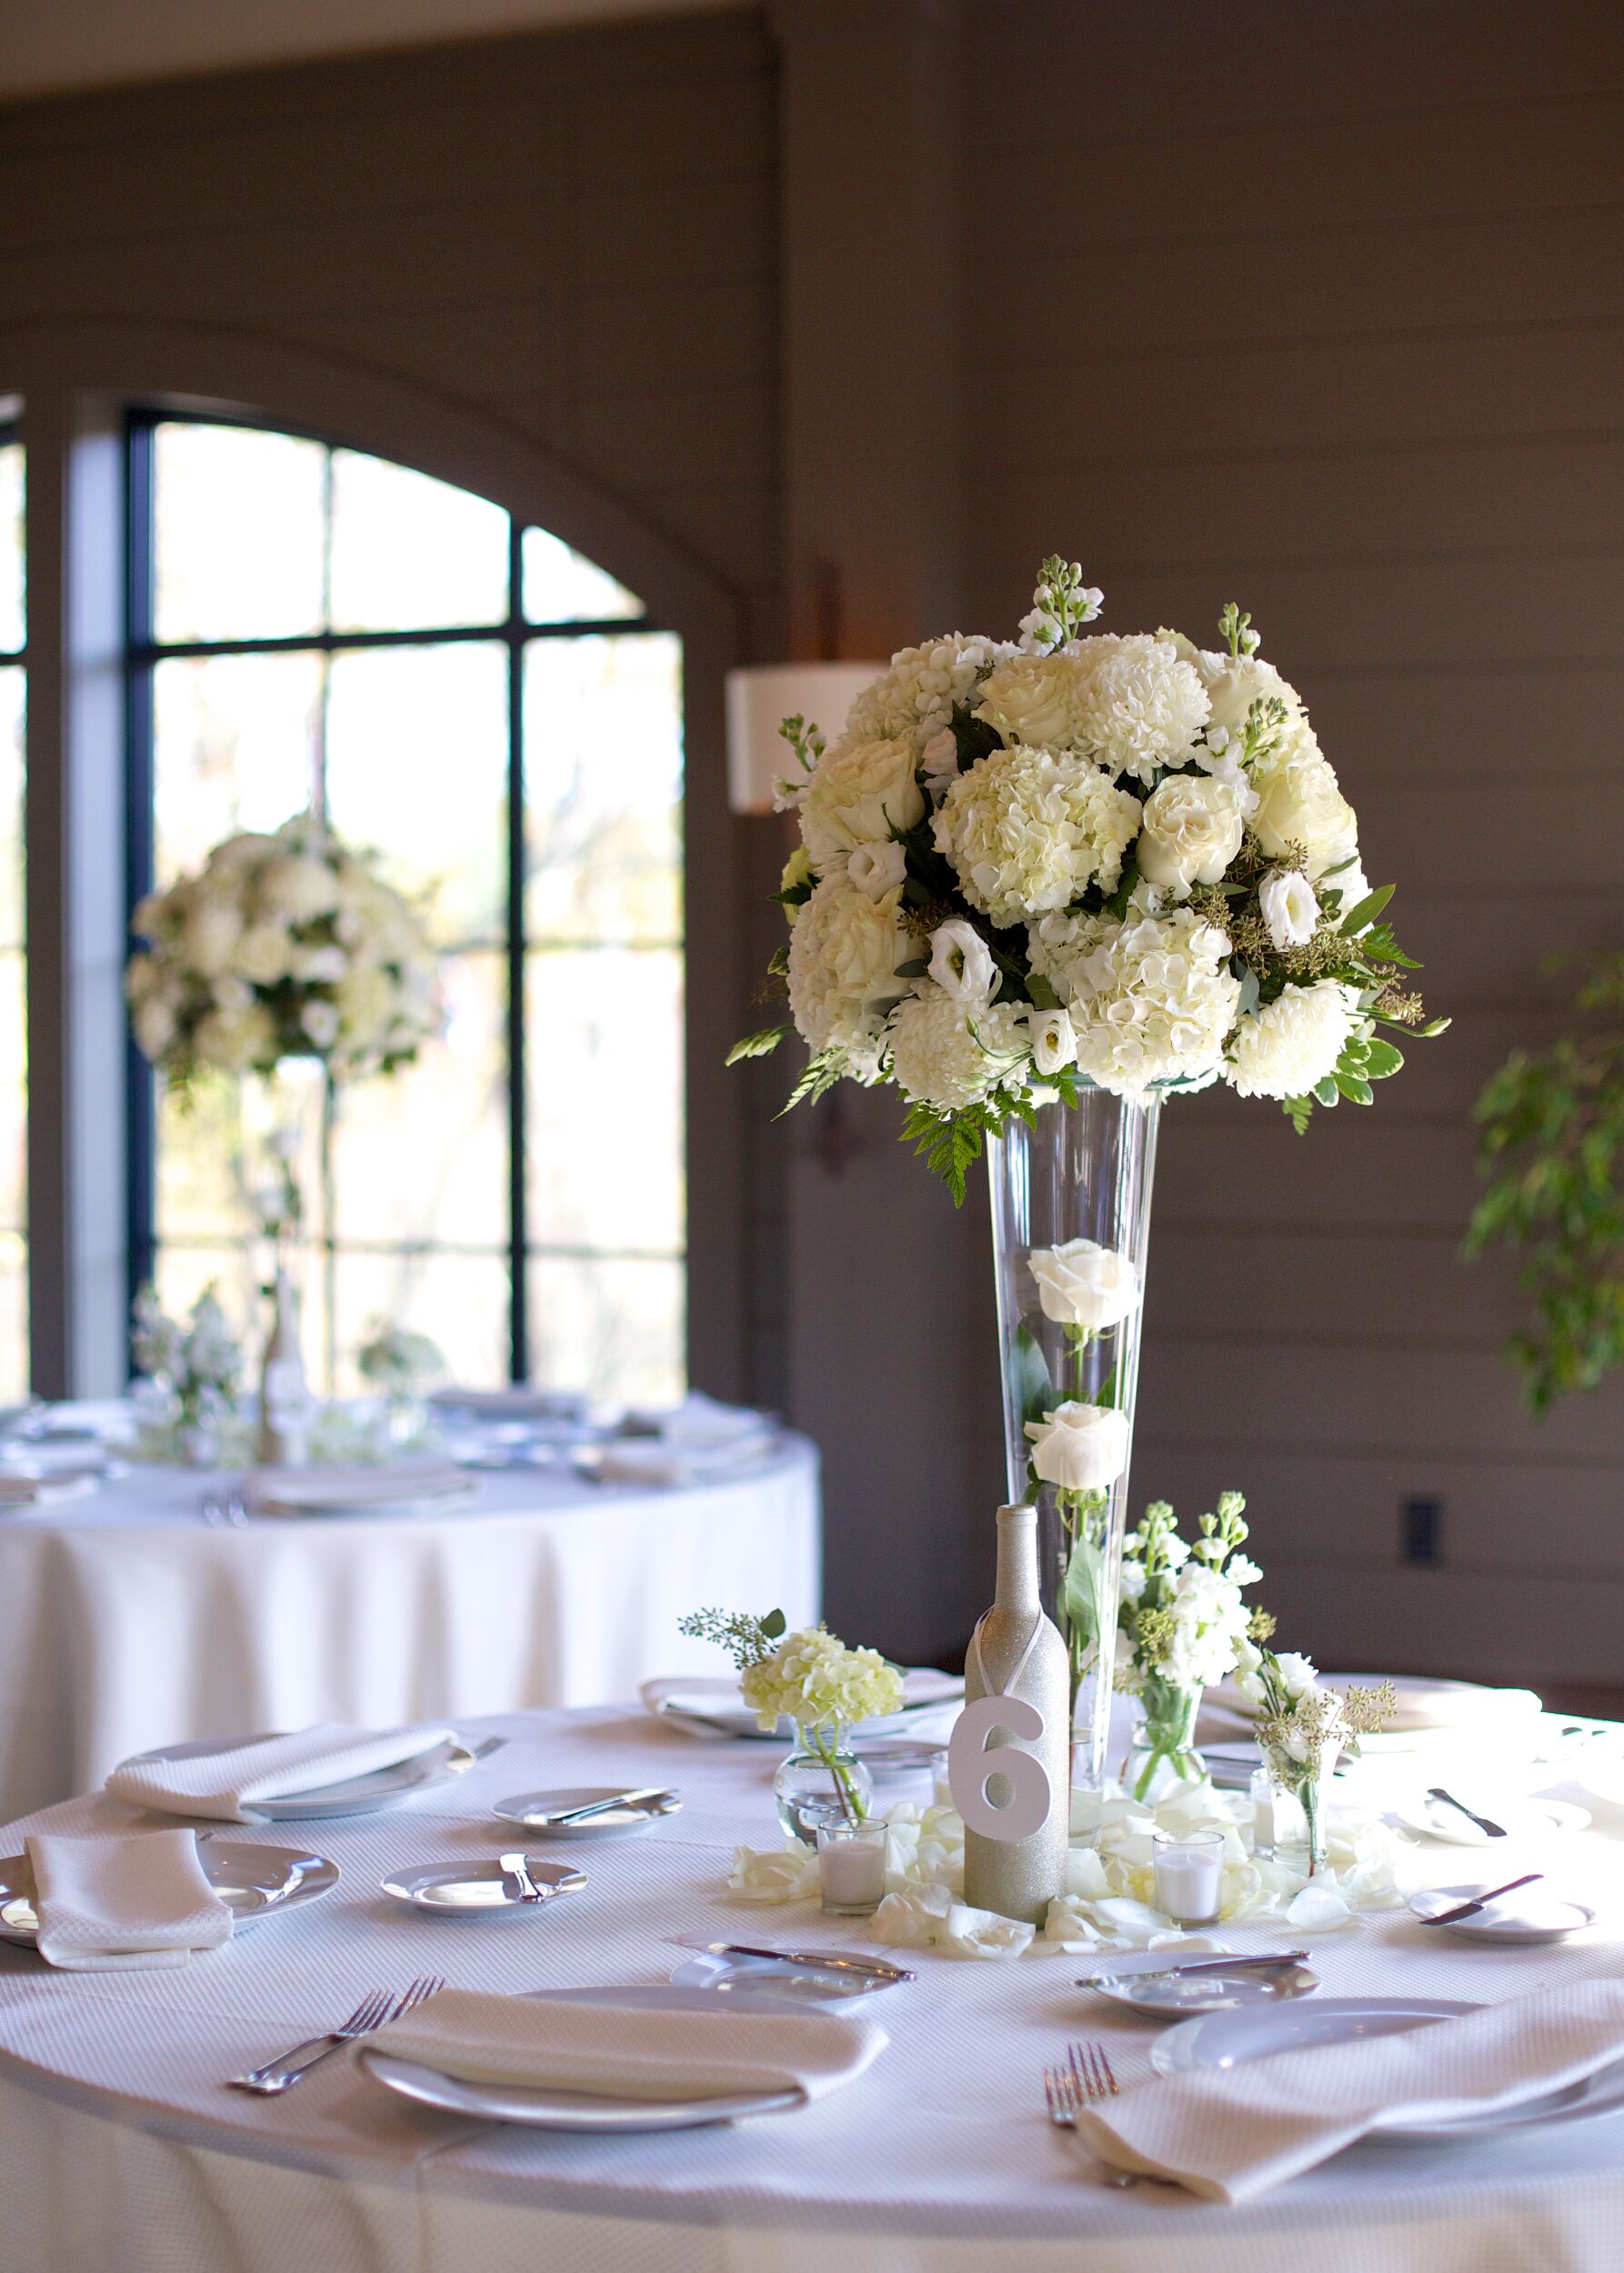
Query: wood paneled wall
(1335, 330)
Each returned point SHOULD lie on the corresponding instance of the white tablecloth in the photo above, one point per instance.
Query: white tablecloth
(119, 2147)
(127, 1622)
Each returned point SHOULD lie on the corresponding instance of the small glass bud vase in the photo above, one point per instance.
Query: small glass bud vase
(820, 1778)
(1163, 1753)
(1301, 1807)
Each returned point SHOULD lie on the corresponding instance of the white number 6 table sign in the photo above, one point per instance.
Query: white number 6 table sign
(972, 1762)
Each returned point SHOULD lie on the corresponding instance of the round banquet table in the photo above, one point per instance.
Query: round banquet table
(126, 1621)
(119, 2146)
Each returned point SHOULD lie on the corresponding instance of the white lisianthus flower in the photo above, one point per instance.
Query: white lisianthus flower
(877, 869)
(1300, 804)
(961, 963)
(843, 956)
(1289, 908)
(1082, 1283)
(945, 1055)
(1054, 1040)
(1028, 830)
(916, 698)
(300, 886)
(321, 1022)
(1153, 999)
(1298, 1674)
(1080, 1447)
(1289, 1046)
(860, 792)
(938, 762)
(1191, 832)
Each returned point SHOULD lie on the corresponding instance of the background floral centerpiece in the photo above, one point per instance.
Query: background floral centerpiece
(187, 1398)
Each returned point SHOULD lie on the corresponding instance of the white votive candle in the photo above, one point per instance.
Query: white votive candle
(1189, 1872)
(851, 1867)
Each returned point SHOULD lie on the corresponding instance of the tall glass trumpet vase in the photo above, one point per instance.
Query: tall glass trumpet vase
(1071, 1223)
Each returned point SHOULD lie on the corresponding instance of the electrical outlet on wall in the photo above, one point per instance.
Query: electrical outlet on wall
(1421, 1530)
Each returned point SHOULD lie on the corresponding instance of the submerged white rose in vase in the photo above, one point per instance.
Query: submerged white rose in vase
(1080, 1447)
(1083, 1284)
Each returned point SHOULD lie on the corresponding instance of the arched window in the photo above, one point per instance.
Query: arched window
(499, 720)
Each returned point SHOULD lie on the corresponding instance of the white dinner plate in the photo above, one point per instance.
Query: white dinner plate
(750, 1979)
(1231, 2039)
(714, 1707)
(387, 1491)
(1530, 1916)
(553, 2110)
(1425, 1705)
(250, 1880)
(356, 1796)
(520, 1403)
(535, 1809)
(1518, 1819)
(1175, 1996)
(477, 1889)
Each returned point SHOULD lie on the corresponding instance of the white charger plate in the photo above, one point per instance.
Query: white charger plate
(356, 1796)
(1230, 2039)
(250, 1880)
(558, 2110)
(1518, 1819)
(535, 1811)
(475, 1888)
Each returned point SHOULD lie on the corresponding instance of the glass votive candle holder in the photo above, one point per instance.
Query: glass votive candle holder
(1261, 1792)
(1189, 1876)
(941, 1790)
(851, 1865)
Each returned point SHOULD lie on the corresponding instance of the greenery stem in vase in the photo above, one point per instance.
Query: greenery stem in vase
(1302, 1730)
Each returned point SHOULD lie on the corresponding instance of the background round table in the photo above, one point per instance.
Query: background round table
(120, 2145)
(126, 1621)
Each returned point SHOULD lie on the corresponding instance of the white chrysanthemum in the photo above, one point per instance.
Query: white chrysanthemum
(1152, 999)
(915, 699)
(1028, 830)
(947, 1055)
(1299, 803)
(1132, 702)
(1285, 1048)
(860, 793)
(843, 958)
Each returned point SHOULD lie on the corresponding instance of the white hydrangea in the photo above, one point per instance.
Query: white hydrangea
(1290, 1044)
(1028, 830)
(843, 958)
(916, 698)
(1131, 701)
(1152, 998)
(947, 1055)
(814, 1680)
(860, 792)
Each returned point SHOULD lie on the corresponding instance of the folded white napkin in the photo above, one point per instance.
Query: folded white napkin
(649, 2053)
(1232, 2133)
(660, 1466)
(114, 1904)
(227, 1784)
(329, 1490)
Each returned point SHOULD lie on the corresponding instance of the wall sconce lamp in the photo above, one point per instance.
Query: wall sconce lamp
(759, 697)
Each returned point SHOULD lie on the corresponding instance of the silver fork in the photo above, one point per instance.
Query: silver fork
(1086, 2075)
(374, 2012)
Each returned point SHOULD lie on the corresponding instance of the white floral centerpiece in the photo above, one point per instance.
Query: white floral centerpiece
(187, 1398)
(282, 945)
(1303, 1728)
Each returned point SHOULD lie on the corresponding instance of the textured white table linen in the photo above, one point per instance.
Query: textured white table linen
(119, 2146)
(1233, 2134)
(120, 1904)
(486, 2039)
(226, 1784)
(127, 1622)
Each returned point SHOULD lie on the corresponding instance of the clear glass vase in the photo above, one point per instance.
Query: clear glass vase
(821, 1780)
(1302, 1807)
(1083, 1172)
(1163, 1753)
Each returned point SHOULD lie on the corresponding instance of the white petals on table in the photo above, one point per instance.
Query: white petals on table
(930, 1917)
(783, 1874)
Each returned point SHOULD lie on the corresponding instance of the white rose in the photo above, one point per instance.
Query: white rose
(1054, 1040)
(210, 932)
(1289, 908)
(1080, 1447)
(321, 1022)
(1191, 833)
(1082, 1283)
(299, 887)
(961, 963)
(843, 956)
(1299, 803)
(1298, 1673)
(876, 869)
(1291, 1044)
(859, 794)
(1030, 698)
(1234, 683)
(264, 952)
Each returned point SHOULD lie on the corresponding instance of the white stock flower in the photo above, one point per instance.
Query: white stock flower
(1283, 1049)
(916, 698)
(1289, 908)
(1300, 804)
(1028, 830)
(1080, 1447)
(961, 963)
(1082, 1283)
(1191, 832)
(1152, 999)
(1053, 1038)
(877, 869)
(945, 1055)
(843, 956)
(300, 886)
(860, 792)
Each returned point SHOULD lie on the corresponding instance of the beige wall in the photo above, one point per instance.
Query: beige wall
(1317, 308)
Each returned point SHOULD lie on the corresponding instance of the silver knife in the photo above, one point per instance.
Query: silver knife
(1195, 1964)
(604, 1807)
(834, 1960)
(517, 1869)
(1485, 1824)
(1479, 1901)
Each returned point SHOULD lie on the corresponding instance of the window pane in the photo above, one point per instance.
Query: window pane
(199, 1192)
(562, 586)
(237, 537)
(611, 1327)
(13, 1317)
(182, 1273)
(417, 770)
(12, 693)
(410, 554)
(235, 748)
(459, 1301)
(14, 1104)
(603, 1035)
(603, 786)
(10, 548)
(449, 1181)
